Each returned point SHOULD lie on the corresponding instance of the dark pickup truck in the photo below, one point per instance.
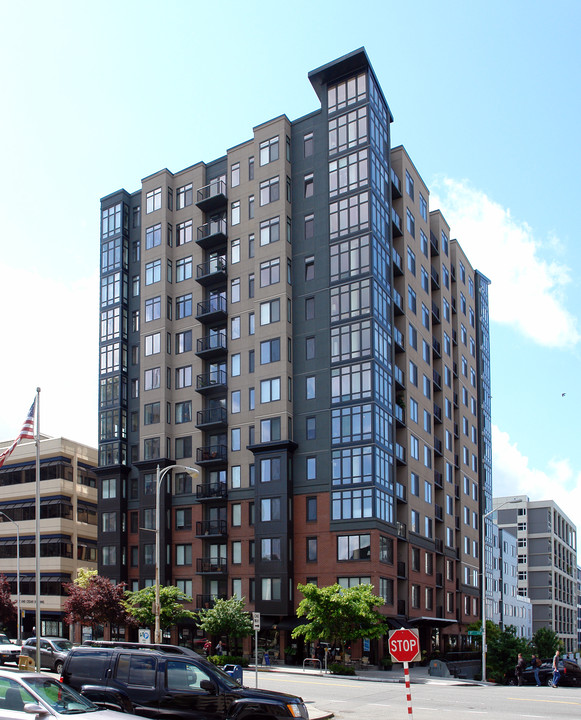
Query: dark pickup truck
(157, 684)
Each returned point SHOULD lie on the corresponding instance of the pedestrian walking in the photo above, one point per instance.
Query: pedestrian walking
(219, 648)
(535, 662)
(520, 668)
(556, 673)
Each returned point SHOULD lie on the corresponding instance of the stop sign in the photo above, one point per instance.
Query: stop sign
(404, 645)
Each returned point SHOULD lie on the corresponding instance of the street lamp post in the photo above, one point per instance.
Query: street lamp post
(483, 550)
(160, 477)
(17, 572)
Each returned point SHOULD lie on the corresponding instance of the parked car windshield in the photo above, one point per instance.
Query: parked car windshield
(63, 645)
(59, 697)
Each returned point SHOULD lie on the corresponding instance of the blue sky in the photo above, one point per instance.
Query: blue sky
(486, 100)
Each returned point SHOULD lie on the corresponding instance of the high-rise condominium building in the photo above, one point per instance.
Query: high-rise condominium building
(294, 321)
(547, 563)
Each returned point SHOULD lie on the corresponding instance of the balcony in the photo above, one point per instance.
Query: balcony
(401, 607)
(453, 272)
(400, 455)
(438, 446)
(213, 345)
(435, 279)
(212, 271)
(211, 528)
(437, 413)
(457, 522)
(436, 348)
(398, 340)
(397, 302)
(213, 382)
(401, 529)
(439, 513)
(211, 418)
(208, 601)
(457, 492)
(210, 455)
(439, 545)
(455, 369)
(437, 380)
(211, 491)
(399, 376)
(396, 223)
(212, 234)
(395, 184)
(454, 311)
(455, 337)
(397, 262)
(399, 413)
(435, 313)
(434, 250)
(456, 430)
(438, 479)
(439, 580)
(212, 196)
(401, 492)
(401, 570)
(212, 310)
(211, 566)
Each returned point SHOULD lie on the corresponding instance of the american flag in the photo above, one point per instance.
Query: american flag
(27, 433)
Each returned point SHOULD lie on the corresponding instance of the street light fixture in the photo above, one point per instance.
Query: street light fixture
(160, 477)
(483, 551)
(17, 572)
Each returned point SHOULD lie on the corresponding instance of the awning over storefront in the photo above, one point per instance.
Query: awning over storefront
(430, 621)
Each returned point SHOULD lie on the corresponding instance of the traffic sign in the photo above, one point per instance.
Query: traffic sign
(474, 632)
(404, 645)
(256, 621)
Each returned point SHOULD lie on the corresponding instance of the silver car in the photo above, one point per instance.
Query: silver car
(24, 696)
(53, 651)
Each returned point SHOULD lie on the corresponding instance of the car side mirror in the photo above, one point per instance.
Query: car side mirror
(209, 686)
(36, 709)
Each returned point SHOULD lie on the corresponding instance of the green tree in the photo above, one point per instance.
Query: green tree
(339, 614)
(546, 642)
(139, 605)
(226, 617)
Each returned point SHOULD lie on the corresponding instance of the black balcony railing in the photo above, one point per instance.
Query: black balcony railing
(214, 528)
(208, 601)
(211, 196)
(211, 491)
(212, 233)
(216, 416)
(211, 271)
(216, 343)
(211, 565)
(212, 454)
(215, 379)
(212, 308)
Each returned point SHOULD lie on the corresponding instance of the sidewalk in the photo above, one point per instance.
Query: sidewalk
(418, 675)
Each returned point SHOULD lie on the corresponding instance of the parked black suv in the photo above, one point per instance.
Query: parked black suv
(154, 683)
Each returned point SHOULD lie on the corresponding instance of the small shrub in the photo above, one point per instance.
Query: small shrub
(340, 669)
(222, 660)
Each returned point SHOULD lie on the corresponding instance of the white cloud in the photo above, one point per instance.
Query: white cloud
(526, 290)
(49, 340)
(511, 475)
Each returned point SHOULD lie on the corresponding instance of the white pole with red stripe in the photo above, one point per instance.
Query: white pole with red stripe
(406, 672)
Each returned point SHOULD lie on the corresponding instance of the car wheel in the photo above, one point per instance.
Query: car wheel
(511, 681)
(58, 667)
(549, 681)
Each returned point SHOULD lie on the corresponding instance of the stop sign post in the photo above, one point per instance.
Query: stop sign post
(404, 647)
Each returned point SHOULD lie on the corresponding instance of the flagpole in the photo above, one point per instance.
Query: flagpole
(37, 528)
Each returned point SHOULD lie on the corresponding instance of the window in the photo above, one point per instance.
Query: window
(235, 290)
(309, 185)
(152, 379)
(269, 231)
(184, 232)
(251, 207)
(183, 377)
(353, 547)
(270, 312)
(153, 272)
(235, 401)
(412, 303)
(269, 509)
(423, 208)
(309, 308)
(153, 309)
(409, 185)
(183, 306)
(270, 429)
(411, 222)
(184, 269)
(183, 554)
(235, 365)
(235, 327)
(183, 447)
(152, 344)
(310, 387)
(184, 196)
(311, 509)
(235, 213)
(153, 200)
(425, 280)
(269, 272)
(151, 448)
(183, 412)
(235, 175)
(414, 447)
(183, 342)
(311, 428)
(308, 144)
(269, 470)
(310, 268)
(270, 390)
(151, 413)
(153, 236)
(309, 227)
(269, 351)
(311, 549)
(269, 151)
(269, 191)
(271, 588)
